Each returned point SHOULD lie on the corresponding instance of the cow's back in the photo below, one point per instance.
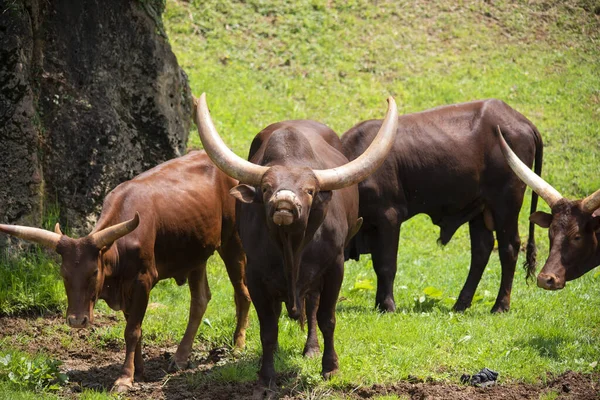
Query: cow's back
(443, 159)
(185, 211)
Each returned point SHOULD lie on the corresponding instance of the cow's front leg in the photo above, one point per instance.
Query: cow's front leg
(268, 337)
(482, 244)
(199, 298)
(311, 348)
(134, 314)
(326, 316)
(383, 241)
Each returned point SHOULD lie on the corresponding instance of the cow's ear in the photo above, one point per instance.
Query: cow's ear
(595, 223)
(323, 198)
(541, 218)
(244, 193)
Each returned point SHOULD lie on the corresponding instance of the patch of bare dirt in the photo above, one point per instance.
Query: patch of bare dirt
(97, 365)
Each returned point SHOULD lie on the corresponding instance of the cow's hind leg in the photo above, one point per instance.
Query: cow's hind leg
(200, 296)
(508, 249)
(326, 316)
(383, 241)
(482, 244)
(235, 262)
(311, 348)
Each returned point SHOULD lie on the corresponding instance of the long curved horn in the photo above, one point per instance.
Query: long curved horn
(40, 236)
(592, 202)
(108, 235)
(227, 161)
(536, 183)
(365, 164)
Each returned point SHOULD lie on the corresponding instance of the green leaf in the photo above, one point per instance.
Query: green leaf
(433, 293)
(363, 284)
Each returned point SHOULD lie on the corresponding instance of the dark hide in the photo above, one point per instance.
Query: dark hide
(300, 264)
(446, 163)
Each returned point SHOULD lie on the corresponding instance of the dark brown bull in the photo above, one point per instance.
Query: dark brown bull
(573, 227)
(447, 164)
(185, 214)
(298, 209)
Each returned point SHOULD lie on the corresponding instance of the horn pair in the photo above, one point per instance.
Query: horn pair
(329, 179)
(50, 239)
(537, 184)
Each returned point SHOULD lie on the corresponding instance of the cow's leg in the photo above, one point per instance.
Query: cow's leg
(482, 244)
(134, 315)
(235, 262)
(268, 311)
(326, 316)
(383, 242)
(200, 296)
(508, 249)
(311, 348)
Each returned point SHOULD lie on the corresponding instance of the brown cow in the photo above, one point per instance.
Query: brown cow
(573, 227)
(185, 214)
(446, 163)
(298, 208)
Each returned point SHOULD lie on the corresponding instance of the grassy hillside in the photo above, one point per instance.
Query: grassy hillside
(336, 62)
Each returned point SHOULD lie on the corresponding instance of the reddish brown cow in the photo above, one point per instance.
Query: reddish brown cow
(298, 208)
(185, 214)
(573, 227)
(446, 163)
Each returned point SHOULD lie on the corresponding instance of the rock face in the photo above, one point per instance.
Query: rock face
(90, 96)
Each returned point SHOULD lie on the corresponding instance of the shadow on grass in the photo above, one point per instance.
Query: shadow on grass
(547, 347)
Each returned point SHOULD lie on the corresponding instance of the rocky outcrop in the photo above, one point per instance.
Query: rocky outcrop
(90, 95)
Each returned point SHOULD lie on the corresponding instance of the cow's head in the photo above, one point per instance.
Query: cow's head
(572, 227)
(295, 199)
(82, 267)
(289, 194)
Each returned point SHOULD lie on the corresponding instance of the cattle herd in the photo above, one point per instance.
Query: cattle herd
(285, 220)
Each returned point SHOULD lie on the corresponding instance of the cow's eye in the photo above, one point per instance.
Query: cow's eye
(577, 238)
(310, 192)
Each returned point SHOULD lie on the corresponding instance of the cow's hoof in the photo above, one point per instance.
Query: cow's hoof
(175, 365)
(386, 306)
(122, 385)
(240, 343)
(460, 307)
(329, 374)
(311, 351)
(263, 392)
(501, 308)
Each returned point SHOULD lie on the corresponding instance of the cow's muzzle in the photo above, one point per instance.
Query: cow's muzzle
(550, 282)
(78, 321)
(286, 207)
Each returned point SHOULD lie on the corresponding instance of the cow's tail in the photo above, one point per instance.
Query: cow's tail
(531, 252)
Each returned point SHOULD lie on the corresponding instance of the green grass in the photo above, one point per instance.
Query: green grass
(30, 284)
(261, 62)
